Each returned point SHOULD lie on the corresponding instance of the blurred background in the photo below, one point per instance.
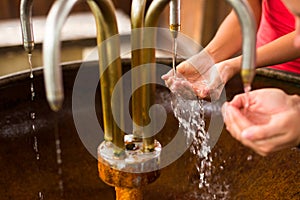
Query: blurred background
(199, 20)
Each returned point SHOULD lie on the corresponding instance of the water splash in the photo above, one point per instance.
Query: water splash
(191, 117)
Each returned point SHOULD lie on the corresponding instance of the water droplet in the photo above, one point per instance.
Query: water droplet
(31, 87)
(33, 127)
(41, 196)
(249, 157)
(32, 115)
(58, 151)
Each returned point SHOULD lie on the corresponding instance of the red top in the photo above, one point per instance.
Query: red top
(276, 21)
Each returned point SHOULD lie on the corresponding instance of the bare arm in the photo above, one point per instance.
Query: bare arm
(278, 51)
(228, 39)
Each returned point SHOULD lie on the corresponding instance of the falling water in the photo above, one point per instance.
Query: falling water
(33, 117)
(191, 117)
(174, 55)
(32, 113)
(247, 88)
(59, 160)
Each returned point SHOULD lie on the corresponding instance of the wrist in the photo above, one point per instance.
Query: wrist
(229, 68)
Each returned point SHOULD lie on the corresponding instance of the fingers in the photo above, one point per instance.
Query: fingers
(261, 138)
(271, 128)
(241, 100)
(168, 75)
(235, 121)
(269, 145)
(201, 93)
(184, 88)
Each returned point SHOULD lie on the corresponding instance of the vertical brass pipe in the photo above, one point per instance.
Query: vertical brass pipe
(104, 13)
(104, 79)
(149, 40)
(137, 23)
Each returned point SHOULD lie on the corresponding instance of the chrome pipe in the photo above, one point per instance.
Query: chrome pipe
(248, 24)
(26, 24)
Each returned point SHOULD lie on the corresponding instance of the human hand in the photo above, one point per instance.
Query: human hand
(179, 85)
(197, 76)
(269, 123)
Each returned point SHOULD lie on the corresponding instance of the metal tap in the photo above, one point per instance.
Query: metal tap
(248, 25)
(148, 39)
(174, 17)
(26, 25)
(106, 23)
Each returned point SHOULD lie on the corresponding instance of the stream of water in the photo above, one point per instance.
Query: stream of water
(191, 117)
(190, 113)
(33, 118)
(35, 137)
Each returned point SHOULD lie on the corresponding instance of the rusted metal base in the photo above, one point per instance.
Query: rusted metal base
(131, 174)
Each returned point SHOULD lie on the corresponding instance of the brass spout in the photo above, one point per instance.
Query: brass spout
(26, 25)
(151, 20)
(144, 97)
(149, 39)
(137, 23)
(104, 13)
(248, 25)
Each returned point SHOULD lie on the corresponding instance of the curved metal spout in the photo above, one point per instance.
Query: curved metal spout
(51, 52)
(148, 36)
(149, 39)
(248, 25)
(26, 24)
(106, 23)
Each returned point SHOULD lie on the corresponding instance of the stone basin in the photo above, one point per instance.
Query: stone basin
(52, 162)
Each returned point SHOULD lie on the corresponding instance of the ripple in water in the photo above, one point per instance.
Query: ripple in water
(191, 117)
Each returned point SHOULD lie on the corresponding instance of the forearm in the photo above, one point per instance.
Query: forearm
(223, 46)
(278, 51)
(228, 40)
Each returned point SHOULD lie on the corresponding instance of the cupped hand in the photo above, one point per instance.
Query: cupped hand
(198, 76)
(266, 120)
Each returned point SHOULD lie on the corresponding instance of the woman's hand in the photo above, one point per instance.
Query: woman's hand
(200, 77)
(265, 120)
